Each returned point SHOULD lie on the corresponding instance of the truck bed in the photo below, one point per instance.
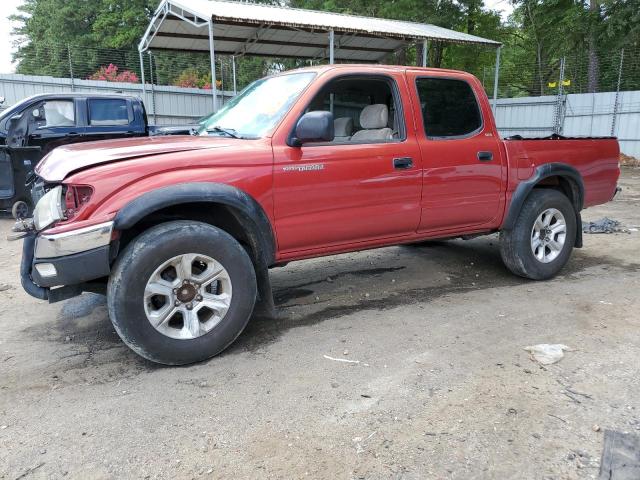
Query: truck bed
(596, 158)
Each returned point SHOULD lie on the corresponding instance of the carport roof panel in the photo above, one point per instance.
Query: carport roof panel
(235, 17)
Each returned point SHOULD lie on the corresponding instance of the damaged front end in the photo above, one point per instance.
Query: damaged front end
(61, 265)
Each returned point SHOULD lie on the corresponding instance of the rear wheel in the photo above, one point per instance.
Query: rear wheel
(542, 239)
(181, 292)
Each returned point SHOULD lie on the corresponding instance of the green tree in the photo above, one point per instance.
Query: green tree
(588, 33)
(47, 27)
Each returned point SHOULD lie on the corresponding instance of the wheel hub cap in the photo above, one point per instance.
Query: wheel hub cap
(186, 293)
(187, 296)
(548, 235)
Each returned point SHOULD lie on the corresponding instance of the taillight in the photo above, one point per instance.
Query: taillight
(75, 197)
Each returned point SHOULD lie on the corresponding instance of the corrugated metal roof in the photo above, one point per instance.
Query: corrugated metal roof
(257, 29)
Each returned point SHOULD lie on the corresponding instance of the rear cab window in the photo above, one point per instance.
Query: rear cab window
(109, 112)
(449, 108)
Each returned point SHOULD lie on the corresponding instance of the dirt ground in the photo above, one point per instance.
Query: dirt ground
(443, 387)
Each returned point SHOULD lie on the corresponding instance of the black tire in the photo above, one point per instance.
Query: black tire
(136, 264)
(515, 244)
(20, 210)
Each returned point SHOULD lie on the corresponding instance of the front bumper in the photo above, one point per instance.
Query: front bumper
(67, 260)
(71, 269)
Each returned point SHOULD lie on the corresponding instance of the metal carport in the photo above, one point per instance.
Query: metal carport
(237, 29)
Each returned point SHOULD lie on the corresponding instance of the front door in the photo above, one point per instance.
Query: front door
(53, 123)
(464, 171)
(363, 186)
(7, 188)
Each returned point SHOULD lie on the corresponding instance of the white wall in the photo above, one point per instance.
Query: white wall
(586, 114)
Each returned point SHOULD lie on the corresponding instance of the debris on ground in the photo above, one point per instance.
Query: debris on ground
(629, 161)
(344, 360)
(620, 456)
(546, 353)
(604, 225)
(5, 286)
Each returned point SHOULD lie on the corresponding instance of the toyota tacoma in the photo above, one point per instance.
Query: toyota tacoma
(180, 232)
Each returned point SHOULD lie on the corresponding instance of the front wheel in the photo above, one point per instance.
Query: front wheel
(542, 239)
(20, 210)
(181, 292)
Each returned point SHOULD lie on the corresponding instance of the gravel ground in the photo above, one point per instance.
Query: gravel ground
(437, 384)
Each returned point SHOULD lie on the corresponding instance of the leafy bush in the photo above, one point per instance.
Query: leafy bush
(110, 74)
(191, 78)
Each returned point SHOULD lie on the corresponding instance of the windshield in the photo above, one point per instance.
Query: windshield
(258, 108)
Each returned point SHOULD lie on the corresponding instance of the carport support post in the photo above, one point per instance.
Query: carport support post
(331, 62)
(425, 50)
(144, 88)
(233, 67)
(212, 54)
(331, 46)
(495, 81)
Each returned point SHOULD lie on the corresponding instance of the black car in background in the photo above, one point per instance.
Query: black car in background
(33, 127)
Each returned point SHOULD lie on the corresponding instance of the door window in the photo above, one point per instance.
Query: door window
(365, 110)
(55, 113)
(449, 108)
(108, 111)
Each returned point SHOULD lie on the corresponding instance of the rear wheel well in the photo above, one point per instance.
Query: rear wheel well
(565, 185)
(218, 215)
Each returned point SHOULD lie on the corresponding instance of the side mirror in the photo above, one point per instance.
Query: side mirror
(314, 127)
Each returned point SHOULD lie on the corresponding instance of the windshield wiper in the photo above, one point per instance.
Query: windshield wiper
(228, 131)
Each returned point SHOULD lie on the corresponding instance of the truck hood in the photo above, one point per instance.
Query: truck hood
(67, 159)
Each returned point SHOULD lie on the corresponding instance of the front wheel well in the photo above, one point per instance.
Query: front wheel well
(218, 215)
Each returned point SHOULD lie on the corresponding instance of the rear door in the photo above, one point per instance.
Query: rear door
(463, 166)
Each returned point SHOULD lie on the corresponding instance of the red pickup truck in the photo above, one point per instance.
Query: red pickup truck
(181, 231)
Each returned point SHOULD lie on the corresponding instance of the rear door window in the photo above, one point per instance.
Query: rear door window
(108, 111)
(449, 107)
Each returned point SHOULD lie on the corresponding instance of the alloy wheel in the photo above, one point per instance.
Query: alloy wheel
(187, 296)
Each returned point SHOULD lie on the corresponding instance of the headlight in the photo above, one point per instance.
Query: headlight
(48, 209)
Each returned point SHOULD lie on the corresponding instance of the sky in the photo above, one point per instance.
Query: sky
(503, 6)
(10, 7)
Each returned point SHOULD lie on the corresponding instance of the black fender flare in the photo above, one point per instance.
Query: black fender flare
(251, 216)
(525, 187)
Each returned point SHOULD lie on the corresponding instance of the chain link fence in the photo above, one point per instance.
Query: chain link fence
(618, 70)
(179, 69)
(576, 73)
